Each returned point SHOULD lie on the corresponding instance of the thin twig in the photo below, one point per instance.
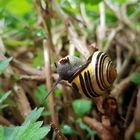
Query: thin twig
(119, 88)
(129, 110)
(47, 70)
(60, 136)
(111, 36)
(4, 121)
(45, 17)
(33, 77)
(135, 124)
(2, 47)
(121, 13)
(104, 130)
(101, 29)
(22, 101)
(26, 69)
(77, 42)
(94, 124)
(123, 42)
(73, 36)
(83, 14)
(118, 59)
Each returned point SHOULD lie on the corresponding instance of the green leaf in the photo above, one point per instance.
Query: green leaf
(19, 7)
(3, 3)
(8, 132)
(41, 133)
(119, 1)
(135, 78)
(4, 97)
(29, 129)
(137, 135)
(4, 64)
(81, 106)
(17, 43)
(41, 93)
(58, 92)
(34, 115)
(39, 59)
(19, 131)
(40, 33)
(1, 133)
(67, 130)
(92, 2)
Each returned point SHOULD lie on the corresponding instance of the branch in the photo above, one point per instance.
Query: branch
(22, 101)
(111, 36)
(119, 89)
(4, 121)
(123, 42)
(47, 69)
(26, 68)
(94, 124)
(121, 13)
(135, 124)
(73, 36)
(60, 136)
(101, 29)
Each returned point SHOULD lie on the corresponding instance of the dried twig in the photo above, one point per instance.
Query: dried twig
(101, 29)
(2, 47)
(33, 77)
(22, 101)
(94, 124)
(76, 41)
(44, 14)
(111, 36)
(135, 124)
(59, 135)
(83, 14)
(104, 130)
(47, 70)
(121, 13)
(26, 69)
(4, 121)
(73, 36)
(123, 42)
(118, 61)
(119, 88)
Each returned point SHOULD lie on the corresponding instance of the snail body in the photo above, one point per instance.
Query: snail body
(97, 77)
(93, 79)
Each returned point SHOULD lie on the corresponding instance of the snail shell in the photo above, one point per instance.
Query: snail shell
(96, 77)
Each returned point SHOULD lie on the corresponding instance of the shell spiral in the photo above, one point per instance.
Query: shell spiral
(97, 77)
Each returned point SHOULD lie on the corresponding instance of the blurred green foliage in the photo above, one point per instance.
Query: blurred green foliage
(4, 64)
(30, 129)
(85, 127)
(135, 78)
(4, 97)
(81, 107)
(137, 136)
(41, 93)
(20, 27)
(68, 130)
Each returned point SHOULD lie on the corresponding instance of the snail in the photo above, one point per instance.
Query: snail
(92, 78)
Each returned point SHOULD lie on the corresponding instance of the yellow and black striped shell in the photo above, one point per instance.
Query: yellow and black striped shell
(96, 77)
(93, 78)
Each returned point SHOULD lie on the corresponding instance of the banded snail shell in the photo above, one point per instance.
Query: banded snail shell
(96, 78)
